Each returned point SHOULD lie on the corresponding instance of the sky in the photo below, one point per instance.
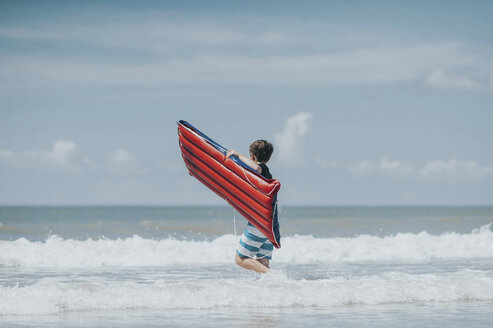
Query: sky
(367, 103)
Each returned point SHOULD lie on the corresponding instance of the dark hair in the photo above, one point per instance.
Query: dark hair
(262, 150)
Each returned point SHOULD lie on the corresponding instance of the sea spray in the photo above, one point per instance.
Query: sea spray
(57, 295)
(302, 249)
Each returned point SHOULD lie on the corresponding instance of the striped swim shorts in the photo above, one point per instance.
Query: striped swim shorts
(254, 244)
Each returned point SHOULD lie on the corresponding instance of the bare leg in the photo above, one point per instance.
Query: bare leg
(260, 265)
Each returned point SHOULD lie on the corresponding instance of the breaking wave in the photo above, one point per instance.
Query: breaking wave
(302, 249)
(53, 295)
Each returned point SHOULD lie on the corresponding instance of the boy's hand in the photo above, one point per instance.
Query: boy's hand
(231, 153)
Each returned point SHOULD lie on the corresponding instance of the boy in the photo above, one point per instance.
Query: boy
(255, 250)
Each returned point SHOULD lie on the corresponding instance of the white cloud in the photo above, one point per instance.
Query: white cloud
(6, 155)
(454, 168)
(121, 157)
(122, 161)
(384, 166)
(156, 35)
(361, 66)
(303, 53)
(450, 170)
(438, 78)
(437, 167)
(63, 155)
(362, 168)
(393, 166)
(288, 142)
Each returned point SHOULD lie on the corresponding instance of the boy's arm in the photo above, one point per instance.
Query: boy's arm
(247, 160)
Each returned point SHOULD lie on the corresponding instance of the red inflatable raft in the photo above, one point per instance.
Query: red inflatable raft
(242, 187)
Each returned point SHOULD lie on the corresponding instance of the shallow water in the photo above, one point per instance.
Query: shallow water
(117, 266)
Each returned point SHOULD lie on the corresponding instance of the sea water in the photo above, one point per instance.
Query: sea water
(174, 266)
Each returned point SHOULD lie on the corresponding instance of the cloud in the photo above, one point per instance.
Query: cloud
(385, 166)
(6, 155)
(288, 142)
(438, 78)
(121, 161)
(393, 166)
(152, 34)
(174, 49)
(452, 169)
(361, 66)
(362, 168)
(63, 155)
(121, 157)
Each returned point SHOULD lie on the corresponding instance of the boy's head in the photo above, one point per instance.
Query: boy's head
(261, 150)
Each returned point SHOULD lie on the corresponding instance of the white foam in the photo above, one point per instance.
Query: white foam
(399, 247)
(52, 295)
(137, 251)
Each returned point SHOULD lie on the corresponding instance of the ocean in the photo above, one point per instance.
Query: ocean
(174, 267)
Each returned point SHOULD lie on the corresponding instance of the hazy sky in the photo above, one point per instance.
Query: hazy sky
(367, 103)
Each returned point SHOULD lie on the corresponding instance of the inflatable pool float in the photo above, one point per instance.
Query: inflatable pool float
(252, 195)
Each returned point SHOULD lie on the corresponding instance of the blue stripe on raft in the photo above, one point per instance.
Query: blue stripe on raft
(217, 146)
(212, 142)
(275, 222)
